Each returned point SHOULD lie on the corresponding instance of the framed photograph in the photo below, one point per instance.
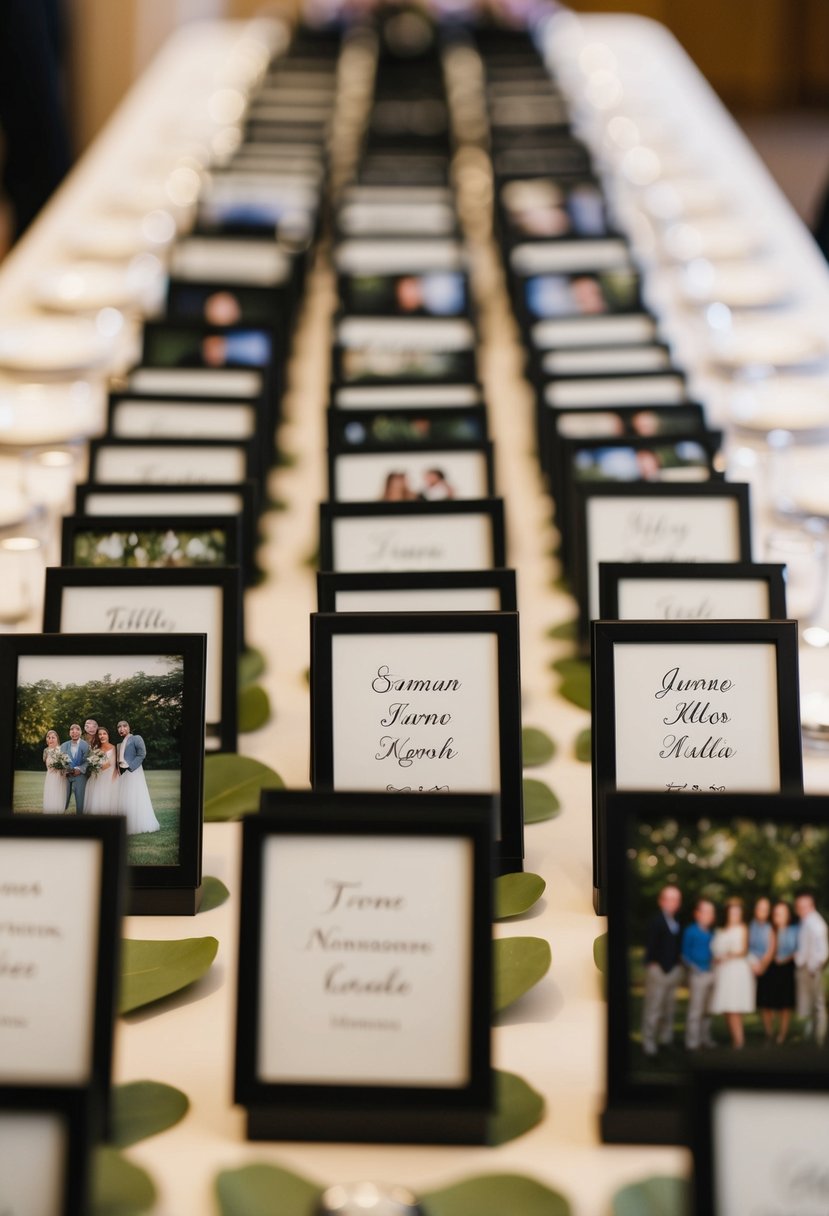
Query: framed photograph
(584, 294)
(134, 416)
(112, 727)
(375, 536)
(413, 703)
(61, 885)
(717, 944)
(410, 591)
(193, 345)
(679, 706)
(653, 522)
(338, 1039)
(691, 591)
(417, 278)
(232, 302)
(389, 350)
(125, 602)
(365, 430)
(758, 1130)
(45, 1150)
(549, 209)
(144, 542)
(173, 461)
(135, 501)
(689, 458)
(399, 474)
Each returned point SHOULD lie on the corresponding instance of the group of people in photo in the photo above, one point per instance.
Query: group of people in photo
(769, 961)
(100, 776)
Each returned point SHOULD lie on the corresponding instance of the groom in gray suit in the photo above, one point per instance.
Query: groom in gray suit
(131, 750)
(77, 749)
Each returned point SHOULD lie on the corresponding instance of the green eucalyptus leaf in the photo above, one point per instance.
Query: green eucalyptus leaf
(254, 708)
(495, 1195)
(286, 460)
(144, 1108)
(583, 746)
(561, 582)
(312, 561)
(516, 893)
(233, 783)
(119, 1188)
(518, 1108)
(251, 666)
(151, 970)
(653, 1197)
(600, 953)
(571, 665)
(213, 894)
(519, 964)
(575, 688)
(565, 631)
(536, 746)
(266, 1190)
(540, 802)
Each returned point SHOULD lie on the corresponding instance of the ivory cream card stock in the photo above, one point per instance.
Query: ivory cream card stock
(692, 591)
(365, 946)
(33, 1151)
(412, 536)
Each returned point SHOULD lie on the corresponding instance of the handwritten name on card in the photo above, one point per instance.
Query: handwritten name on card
(416, 712)
(696, 717)
(49, 891)
(359, 933)
(693, 600)
(416, 542)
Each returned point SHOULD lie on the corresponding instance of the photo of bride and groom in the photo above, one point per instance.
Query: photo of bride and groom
(124, 758)
(101, 777)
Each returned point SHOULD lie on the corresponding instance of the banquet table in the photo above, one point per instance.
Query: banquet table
(554, 1036)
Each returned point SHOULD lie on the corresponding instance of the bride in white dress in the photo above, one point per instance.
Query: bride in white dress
(101, 794)
(735, 987)
(54, 787)
(133, 796)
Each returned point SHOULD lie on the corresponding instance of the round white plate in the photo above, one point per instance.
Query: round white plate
(43, 413)
(784, 341)
(790, 403)
(741, 284)
(712, 237)
(89, 286)
(117, 238)
(52, 346)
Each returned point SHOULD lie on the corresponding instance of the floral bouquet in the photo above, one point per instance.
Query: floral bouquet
(95, 761)
(59, 762)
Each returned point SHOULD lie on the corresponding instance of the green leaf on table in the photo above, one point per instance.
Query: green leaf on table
(312, 561)
(565, 631)
(583, 746)
(540, 802)
(536, 746)
(266, 1190)
(571, 665)
(575, 687)
(517, 893)
(254, 708)
(519, 963)
(600, 953)
(518, 1108)
(151, 970)
(493, 1195)
(653, 1197)
(233, 783)
(144, 1108)
(213, 893)
(119, 1188)
(285, 460)
(251, 666)
(561, 582)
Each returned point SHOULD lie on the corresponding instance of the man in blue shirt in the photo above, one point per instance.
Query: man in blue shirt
(697, 957)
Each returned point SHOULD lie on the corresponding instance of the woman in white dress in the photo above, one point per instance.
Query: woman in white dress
(101, 794)
(133, 796)
(735, 987)
(54, 787)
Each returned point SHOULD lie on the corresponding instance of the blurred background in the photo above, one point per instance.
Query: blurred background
(767, 59)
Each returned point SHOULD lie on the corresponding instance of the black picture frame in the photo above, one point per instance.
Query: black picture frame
(452, 362)
(383, 1113)
(492, 509)
(156, 890)
(440, 452)
(501, 625)
(711, 1080)
(330, 585)
(613, 574)
(175, 500)
(75, 527)
(247, 456)
(200, 407)
(380, 398)
(351, 430)
(733, 494)
(607, 635)
(639, 1111)
(614, 330)
(73, 1107)
(109, 833)
(220, 734)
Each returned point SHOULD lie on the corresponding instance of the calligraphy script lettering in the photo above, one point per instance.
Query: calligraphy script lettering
(404, 751)
(389, 546)
(121, 619)
(671, 609)
(694, 712)
(649, 530)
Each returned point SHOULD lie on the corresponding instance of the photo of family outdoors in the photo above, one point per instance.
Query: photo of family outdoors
(101, 736)
(728, 942)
